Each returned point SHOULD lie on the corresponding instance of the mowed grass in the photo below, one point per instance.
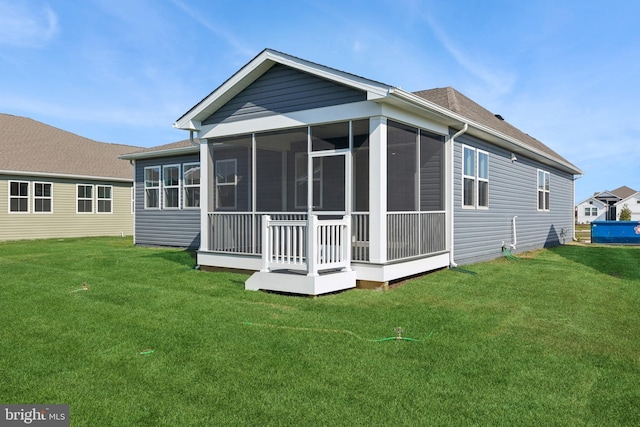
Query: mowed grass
(550, 340)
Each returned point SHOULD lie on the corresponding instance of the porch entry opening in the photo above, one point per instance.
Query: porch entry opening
(326, 186)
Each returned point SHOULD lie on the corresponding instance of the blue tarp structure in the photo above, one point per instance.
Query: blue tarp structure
(627, 232)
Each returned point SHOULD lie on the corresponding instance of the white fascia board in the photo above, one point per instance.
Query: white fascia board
(65, 176)
(352, 111)
(258, 66)
(499, 138)
(161, 153)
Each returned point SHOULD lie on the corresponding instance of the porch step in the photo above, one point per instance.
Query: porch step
(284, 281)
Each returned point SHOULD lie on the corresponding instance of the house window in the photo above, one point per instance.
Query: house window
(42, 197)
(19, 196)
(226, 183)
(105, 200)
(152, 187)
(84, 198)
(544, 179)
(475, 178)
(191, 183)
(171, 185)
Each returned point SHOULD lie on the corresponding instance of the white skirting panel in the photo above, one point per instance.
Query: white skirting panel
(240, 262)
(398, 270)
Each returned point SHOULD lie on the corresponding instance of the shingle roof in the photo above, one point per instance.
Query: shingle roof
(27, 145)
(184, 146)
(624, 192)
(455, 101)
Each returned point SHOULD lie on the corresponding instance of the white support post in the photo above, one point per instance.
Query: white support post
(378, 190)
(312, 245)
(346, 242)
(266, 243)
(206, 183)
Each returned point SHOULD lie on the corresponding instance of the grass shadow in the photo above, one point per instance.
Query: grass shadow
(183, 257)
(617, 261)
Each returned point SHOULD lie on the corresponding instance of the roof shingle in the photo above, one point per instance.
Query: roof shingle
(27, 145)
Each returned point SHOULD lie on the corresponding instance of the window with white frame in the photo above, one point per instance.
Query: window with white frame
(19, 196)
(42, 197)
(152, 187)
(104, 198)
(544, 182)
(191, 185)
(475, 178)
(84, 198)
(171, 186)
(226, 183)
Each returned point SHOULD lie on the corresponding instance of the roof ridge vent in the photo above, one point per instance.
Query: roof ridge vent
(499, 117)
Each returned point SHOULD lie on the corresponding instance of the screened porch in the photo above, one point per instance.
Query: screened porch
(324, 172)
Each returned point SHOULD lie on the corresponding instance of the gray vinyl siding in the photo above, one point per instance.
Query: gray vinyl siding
(282, 90)
(479, 233)
(165, 227)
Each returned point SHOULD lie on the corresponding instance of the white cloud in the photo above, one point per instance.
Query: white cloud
(499, 81)
(24, 24)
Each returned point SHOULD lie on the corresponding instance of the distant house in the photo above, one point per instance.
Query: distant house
(167, 195)
(54, 183)
(633, 203)
(602, 206)
(316, 178)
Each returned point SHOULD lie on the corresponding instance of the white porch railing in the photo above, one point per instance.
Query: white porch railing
(312, 245)
(411, 234)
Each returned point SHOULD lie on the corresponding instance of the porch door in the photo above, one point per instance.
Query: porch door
(327, 184)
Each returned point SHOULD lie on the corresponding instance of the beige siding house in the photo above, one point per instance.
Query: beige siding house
(54, 183)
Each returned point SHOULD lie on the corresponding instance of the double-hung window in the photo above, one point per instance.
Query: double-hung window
(191, 184)
(544, 179)
(84, 198)
(42, 197)
(475, 178)
(171, 185)
(226, 183)
(19, 196)
(105, 198)
(152, 187)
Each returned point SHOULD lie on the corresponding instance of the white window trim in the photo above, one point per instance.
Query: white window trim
(185, 185)
(234, 183)
(42, 198)
(85, 198)
(544, 191)
(99, 199)
(165, 187)
(476, 178)
(145, 188)
(9, 197)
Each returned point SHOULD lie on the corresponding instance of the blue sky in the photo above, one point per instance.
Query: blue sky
(565, 72)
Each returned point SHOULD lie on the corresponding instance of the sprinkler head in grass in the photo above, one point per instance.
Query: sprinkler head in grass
(85, 287)
(399, 332)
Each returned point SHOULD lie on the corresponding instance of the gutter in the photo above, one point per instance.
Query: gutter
(452, 263)
(66, 176)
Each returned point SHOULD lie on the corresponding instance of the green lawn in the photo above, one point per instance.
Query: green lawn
(550, 340)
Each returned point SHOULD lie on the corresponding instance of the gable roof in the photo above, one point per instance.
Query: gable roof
(635, 195)
(173, 149)
(445, 104)
(624, 192)
(30, 147)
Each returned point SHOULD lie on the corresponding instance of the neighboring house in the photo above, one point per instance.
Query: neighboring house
(605, 208)
(590, 210)
(167, 195)
(308, 169)
(633, 203)
(54, 183)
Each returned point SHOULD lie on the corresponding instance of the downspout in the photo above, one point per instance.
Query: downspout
(452, 263)
(191, 140)
(515, 236)
(575, 213)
